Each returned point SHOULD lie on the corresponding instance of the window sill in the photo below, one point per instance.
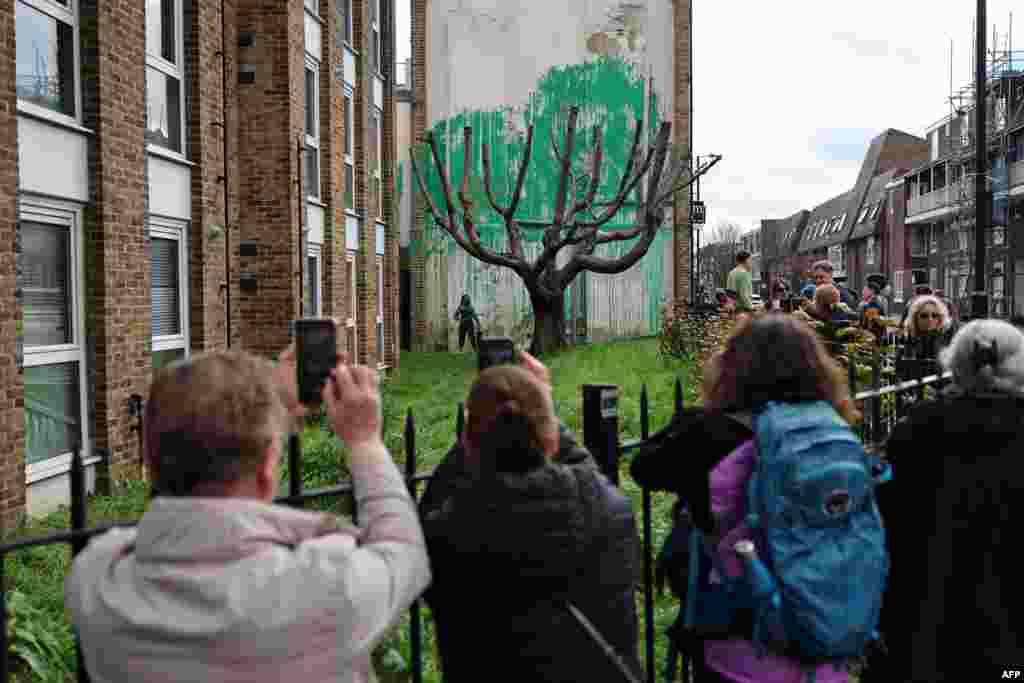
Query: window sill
(47, 116)
(53, 467)
(351, 212)
(168, 155)
(315, 201)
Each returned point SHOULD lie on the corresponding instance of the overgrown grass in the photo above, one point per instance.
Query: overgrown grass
(430, 385)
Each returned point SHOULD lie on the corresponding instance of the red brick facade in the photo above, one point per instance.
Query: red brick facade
(681, 138)
(12, 413)
(254, 197)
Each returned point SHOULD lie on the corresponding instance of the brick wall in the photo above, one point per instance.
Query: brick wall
(366, 257)
(12, 413)
(118, 299)
(391, 229)
(418, 262)
(332, 162)
(681, 138)
(270, 123)
(208, 124)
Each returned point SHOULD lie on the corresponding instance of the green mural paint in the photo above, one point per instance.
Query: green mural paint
(610, 93)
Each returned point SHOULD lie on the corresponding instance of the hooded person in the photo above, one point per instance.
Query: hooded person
(469, 323)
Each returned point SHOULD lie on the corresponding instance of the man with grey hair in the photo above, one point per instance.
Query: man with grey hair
(216, 583)
(823, 276)
(953, 512)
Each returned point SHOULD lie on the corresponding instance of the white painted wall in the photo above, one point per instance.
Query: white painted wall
(52, 160)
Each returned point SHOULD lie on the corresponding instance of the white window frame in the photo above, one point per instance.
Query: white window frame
(353, 301)
(378, 58)
(68, 15)
(169, 229)
(312, 141)
(874, 211)
(933, 240)
(869, 257)
(174, 71)
(315, 252)
(378, 172)
(67, 216)
(348, 102)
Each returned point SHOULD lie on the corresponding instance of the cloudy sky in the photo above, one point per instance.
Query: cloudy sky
(792, 99)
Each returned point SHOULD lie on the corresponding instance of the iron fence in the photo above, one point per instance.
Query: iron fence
(601, 435)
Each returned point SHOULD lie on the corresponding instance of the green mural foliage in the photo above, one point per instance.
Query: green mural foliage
(610, 94)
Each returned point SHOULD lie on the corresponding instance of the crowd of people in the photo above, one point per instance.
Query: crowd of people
(529, 557)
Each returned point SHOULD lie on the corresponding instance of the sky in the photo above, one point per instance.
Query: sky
(791, 99)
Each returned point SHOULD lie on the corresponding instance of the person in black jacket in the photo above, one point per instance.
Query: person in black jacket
(952, 513)
(532, 535)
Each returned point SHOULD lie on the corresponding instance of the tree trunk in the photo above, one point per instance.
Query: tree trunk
(548, 323)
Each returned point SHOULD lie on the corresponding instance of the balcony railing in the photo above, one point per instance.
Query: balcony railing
(950, 194)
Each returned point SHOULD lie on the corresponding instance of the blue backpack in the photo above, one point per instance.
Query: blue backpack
(812, 589)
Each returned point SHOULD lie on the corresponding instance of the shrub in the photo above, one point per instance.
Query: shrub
(34, 640)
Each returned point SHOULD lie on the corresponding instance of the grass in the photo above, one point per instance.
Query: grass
(430, 385)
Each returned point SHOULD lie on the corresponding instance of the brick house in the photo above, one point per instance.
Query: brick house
(182, 175)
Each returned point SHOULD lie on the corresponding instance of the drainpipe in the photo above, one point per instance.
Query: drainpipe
(224, 138)
(982, 210)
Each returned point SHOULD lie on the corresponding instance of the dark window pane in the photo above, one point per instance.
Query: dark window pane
(311, 297)
(375, 51)
(52, 411)
(45, 60)
(311, 103)
(347, 10)
(160, 29)
(44, 282)
(166, 287)
(347, 122)
(350, 198)
(163, 110)
(311, 170)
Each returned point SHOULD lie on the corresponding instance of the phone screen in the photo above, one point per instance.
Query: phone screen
(316, 351)
(496, 351)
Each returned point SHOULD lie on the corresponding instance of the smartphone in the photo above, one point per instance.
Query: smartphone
(495, 351)
(316, 354)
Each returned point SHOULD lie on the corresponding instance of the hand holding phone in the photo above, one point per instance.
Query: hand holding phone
(316, 350)
(495, 351)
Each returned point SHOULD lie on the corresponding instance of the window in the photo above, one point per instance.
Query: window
(919, 242)
(312, 304)
(311, 167)
(897, 286)
(375, 164)
(863, 214)
(350, 136)
(933, 277)
(165, 111)
(169, 281)
(380, 310)
(869, 257)
(52, 335)
(45, 65)
(874, 210)
(311, 5)
(346, 20)
(353, 301)
(376, 44)
(934, 235)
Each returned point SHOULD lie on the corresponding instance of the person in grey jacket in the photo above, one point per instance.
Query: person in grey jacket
(218, 584)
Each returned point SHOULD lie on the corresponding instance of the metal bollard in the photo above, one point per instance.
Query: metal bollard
(601, 427)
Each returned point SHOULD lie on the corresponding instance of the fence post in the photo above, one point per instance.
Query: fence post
(645, 494)
(678, 405)
(601, 427)
(294, 469)
(78, 521)
(415, 627)
(876, 400)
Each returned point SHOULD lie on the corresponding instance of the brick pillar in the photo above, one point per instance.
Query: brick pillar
(391, 230)
(270, 122)
(118, 249)
(332, 160)
(210, 193)
(418, 260)
(366, 257)
(12, 413)
(681, 137)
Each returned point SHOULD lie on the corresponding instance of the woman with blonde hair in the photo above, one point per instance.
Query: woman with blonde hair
(927, 329)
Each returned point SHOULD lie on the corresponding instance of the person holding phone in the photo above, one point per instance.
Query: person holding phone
(216, 583)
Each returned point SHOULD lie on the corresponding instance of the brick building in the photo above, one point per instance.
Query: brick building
(191, 175)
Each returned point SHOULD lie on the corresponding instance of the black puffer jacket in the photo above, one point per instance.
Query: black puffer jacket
(953, 513)
(507, 549)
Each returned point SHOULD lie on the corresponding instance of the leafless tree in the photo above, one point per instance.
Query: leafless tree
(724, 245)
(576, 223)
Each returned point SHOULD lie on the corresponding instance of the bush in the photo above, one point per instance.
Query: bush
(35, 642)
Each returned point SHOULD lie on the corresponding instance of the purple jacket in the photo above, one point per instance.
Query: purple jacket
(736, 659)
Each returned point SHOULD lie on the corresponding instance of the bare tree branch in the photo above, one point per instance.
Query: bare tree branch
(563, 180)
(626, 186)
(674, 188)
(595, 178)
(488, 188)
